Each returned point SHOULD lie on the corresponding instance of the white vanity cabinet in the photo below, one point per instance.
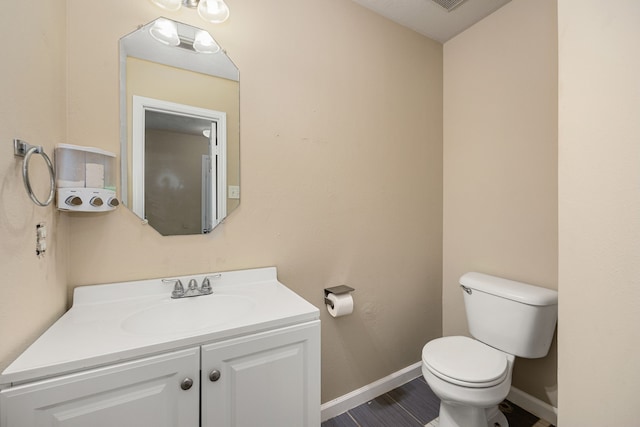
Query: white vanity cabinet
(144, 392)
(128, 355)
(267, 379)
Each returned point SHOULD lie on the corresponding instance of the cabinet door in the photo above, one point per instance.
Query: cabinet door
(268, 379)
(140, 393)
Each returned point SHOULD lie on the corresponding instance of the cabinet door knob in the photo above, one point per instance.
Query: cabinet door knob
(186, 384)
(214, 375)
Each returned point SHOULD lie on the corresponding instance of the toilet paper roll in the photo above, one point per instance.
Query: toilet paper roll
(342, 304)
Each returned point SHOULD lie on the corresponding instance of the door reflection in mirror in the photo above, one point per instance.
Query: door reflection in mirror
(180, 151)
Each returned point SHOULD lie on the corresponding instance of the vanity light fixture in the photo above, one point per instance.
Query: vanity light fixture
(204, 43)
(214, 11)
(166, 32)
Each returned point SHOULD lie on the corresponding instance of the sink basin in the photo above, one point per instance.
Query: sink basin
(188, 314)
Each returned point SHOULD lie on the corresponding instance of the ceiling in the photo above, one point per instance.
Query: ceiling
(431, 19)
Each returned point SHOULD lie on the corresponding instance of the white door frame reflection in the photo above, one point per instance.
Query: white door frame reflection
(180, 119)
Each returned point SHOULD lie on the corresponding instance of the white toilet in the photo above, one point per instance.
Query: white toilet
(471, 376)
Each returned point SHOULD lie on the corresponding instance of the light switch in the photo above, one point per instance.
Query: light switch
(234, 191)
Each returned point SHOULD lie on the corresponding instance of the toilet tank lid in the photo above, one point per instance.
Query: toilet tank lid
(510, 289)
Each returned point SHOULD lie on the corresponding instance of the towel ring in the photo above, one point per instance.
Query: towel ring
(23, 149)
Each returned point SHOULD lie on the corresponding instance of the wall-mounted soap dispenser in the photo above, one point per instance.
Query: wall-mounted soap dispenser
(85, 179)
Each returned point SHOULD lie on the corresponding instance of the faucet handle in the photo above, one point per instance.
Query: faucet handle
(178, 289)
(205, 289)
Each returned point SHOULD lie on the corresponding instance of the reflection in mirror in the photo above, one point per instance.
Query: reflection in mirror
(179, 130)
(182, 151)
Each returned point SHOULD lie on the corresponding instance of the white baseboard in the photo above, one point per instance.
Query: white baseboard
(377, 388)
(534, 405)
(342, 404)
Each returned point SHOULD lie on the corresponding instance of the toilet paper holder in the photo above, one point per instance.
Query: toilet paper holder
(337, 290)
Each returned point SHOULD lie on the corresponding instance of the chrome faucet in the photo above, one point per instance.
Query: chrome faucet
(192, 289)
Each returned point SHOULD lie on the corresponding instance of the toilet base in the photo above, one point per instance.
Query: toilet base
(495, 417)
(469, 416)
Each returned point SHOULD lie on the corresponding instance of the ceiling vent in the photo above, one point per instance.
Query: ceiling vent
(449, 4)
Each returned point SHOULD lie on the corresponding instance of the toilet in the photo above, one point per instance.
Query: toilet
(471, 376)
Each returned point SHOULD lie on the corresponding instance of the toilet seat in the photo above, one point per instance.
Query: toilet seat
(466, 362)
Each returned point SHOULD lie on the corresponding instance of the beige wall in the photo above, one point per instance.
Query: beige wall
(599, 194)
(32, 107)
(341, 170)
(500, 163)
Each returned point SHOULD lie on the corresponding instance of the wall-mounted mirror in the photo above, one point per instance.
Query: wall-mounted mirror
(179, 128)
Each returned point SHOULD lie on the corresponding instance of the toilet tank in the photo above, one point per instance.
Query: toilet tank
(514, 317)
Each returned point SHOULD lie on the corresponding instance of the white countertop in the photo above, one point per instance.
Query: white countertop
(91, 333)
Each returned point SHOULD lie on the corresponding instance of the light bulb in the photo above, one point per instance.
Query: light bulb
(214, 11)
(204, 43)
(165, 31)
(171, 5)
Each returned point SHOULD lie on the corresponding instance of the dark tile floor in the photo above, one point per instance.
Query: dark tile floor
(414, 405)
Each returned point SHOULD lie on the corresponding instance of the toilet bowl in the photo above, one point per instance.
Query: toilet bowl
(471, 376)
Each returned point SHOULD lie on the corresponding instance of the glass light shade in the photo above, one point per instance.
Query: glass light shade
(214, 11)
(165, 31)
(171, 5)
(204, 43)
